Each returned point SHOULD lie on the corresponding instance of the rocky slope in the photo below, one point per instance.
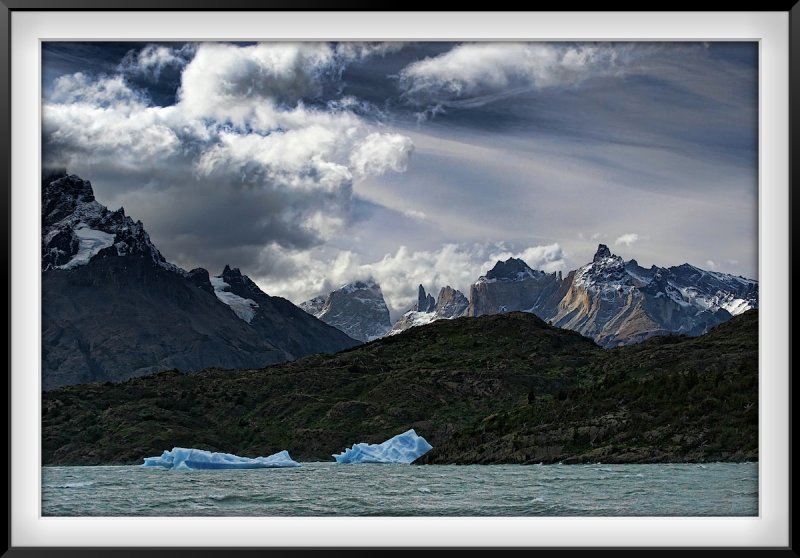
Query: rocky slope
(114, 308)
(358, 309)
(504, 388)
(512, 285)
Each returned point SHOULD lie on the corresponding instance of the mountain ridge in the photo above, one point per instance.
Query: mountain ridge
(114, 308)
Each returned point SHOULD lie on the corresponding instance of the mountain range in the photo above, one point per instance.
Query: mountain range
(616, 302)
(114, 308)
(613, 301)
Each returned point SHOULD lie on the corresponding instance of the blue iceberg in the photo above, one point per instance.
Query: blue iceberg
(403, 448)
(183, 458)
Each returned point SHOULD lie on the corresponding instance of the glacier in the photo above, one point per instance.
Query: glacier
(245, 308)
(188, 459)
(403, 448)
(90, 242)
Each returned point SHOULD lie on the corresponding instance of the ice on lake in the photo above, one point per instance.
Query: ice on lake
(403, 448)
(185, 458)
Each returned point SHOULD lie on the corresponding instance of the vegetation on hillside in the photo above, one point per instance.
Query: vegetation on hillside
(495, 389)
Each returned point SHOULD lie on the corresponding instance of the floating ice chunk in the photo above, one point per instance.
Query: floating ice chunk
(183, 458)
(403, 448)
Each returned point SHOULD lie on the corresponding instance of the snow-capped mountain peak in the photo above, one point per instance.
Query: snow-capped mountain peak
(356, 308)
(617, 302)
(76, 228)
(602, 253)
(605, 271)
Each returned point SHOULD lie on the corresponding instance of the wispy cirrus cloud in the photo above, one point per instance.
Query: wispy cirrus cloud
(476, 73)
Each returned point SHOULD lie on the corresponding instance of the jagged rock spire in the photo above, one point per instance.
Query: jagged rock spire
(602, 253)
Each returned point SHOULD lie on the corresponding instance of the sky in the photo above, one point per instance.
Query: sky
(309, 165)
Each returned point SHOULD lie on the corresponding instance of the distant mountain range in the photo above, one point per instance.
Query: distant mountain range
(114, 308)
(616, 302)
(610, 300)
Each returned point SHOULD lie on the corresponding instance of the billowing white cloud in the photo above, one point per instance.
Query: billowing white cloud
(229, 83)
(356, 50)
(253, 155)
(234, 83)
(380, 153)
(627, 239)
(239, 134)
(475, 73)
(104, 119)
(105, 91)
(151, 60)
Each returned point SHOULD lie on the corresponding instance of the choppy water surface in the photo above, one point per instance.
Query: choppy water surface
(323, 489)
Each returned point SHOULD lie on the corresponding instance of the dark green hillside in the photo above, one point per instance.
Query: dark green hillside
(668, 399)
(500, 388)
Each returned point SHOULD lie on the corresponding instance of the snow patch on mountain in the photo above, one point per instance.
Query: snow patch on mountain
(90, 242)
(410, 319)
(245, 308)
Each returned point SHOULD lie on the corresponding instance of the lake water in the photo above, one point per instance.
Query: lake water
(324, 489)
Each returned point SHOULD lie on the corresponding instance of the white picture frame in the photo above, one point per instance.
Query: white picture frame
(29, 529)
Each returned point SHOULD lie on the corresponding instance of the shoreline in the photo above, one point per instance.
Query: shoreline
(584, 463)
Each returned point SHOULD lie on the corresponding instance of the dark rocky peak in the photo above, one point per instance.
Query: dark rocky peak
(605, 269)
(425, 302)
(62, 195)
(602, 253)
(200, 277)
(238, 281)
(231, 273)
(77, 228)
(421, 300)
(451, 302)
(511, 269)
